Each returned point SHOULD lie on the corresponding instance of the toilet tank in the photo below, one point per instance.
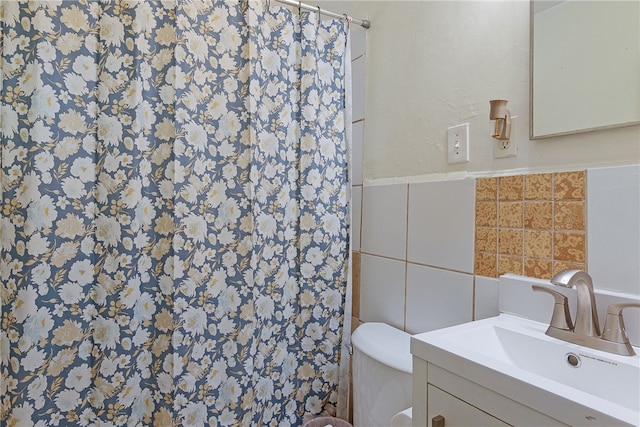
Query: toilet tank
(382, 367)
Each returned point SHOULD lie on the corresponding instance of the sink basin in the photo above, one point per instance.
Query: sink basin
(512, 356)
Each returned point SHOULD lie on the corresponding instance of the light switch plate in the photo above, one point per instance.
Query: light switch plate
(458, 143)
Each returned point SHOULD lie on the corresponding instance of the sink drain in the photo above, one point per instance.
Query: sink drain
(573, 360)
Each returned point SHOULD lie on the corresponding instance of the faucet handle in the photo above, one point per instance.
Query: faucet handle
(614, 329)
(561, 318)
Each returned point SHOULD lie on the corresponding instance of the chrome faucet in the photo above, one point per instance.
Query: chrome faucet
(586, 331)
(586, 313)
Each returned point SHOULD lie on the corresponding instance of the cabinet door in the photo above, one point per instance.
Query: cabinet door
(456, 413)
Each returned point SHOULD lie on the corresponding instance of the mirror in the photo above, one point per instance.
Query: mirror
(585, 69)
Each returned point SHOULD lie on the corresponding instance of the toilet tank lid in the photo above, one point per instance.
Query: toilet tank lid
(384, 343)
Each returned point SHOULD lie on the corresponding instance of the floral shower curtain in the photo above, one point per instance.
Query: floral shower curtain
(174, 245)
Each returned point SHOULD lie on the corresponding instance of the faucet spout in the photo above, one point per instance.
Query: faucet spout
(586, 322)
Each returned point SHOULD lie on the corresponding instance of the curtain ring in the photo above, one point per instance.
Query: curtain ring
(348, 19)
(319, 16)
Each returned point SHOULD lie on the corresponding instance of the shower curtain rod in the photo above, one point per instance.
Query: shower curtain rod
(364, 23)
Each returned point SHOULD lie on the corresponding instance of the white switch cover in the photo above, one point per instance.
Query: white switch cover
(458, 143)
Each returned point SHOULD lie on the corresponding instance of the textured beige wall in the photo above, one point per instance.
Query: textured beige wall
(435, 64)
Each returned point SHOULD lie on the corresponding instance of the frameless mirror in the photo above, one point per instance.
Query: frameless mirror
(585, 66)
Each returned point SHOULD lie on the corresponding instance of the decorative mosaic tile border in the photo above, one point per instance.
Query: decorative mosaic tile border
(531, 225)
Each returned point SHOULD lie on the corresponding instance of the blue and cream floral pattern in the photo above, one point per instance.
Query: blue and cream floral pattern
(174, 244)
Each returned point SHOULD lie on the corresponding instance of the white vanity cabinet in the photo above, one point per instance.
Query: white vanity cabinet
(445, 399)
(444, 409)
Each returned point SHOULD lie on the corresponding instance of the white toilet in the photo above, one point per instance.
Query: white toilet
(382, 367)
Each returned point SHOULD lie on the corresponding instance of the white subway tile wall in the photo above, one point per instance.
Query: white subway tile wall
(358, 45)
(441, 224)
(440, 287)
(382, 290)
(437, 298)
(485, 297)
(384, 221)
(613, 228)
(357, 138)
(357, 87)
(356, 217)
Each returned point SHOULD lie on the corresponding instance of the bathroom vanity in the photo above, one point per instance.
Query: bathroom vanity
(505, 371)
(524, 367)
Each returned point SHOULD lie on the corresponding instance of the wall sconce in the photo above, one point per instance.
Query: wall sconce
(502, 116)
